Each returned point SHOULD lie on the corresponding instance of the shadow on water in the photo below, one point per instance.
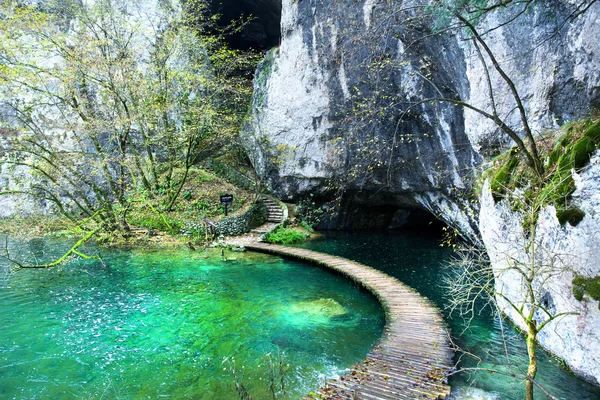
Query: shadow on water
(416, 258)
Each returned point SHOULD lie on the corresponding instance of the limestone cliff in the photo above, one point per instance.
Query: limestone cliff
(562, 253)
(336, 108)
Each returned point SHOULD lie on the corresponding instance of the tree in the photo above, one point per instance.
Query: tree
(522, 276)
(106, 99)
(477, 282)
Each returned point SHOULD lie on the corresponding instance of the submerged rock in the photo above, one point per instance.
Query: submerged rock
(321, 308)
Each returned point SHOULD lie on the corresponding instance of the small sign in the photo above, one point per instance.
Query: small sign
(226, 199)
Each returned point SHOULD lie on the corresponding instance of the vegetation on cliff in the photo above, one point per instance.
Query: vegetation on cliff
(563, 151)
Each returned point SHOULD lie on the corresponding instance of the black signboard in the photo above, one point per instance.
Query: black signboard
(226, 200)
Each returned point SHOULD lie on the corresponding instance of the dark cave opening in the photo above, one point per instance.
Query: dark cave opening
(378, 213)
(385, 217)
(262, 32)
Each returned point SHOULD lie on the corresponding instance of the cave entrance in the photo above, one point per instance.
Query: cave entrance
(363, 217)
(262, 32)
(385, 217)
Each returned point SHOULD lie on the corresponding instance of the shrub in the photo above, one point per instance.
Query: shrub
(159, 222)
(306, 226)
(286, 236)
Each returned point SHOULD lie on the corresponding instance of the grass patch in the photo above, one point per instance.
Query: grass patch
(160, 222)
(287, 236)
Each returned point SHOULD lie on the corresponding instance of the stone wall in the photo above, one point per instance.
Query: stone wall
(240, 224)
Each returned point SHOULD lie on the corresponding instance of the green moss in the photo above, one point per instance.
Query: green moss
(263, 72)
(572, 150)
(582, 152)
(593, 132)
(571, 215)
(501, 178)
(591, 286)
(159, 222)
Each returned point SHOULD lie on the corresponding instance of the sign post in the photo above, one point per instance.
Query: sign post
(226, 201)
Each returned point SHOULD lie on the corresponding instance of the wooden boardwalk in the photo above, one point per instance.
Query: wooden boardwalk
(413, 356)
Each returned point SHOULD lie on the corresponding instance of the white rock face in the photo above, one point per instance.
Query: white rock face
(425, 159)
(562, 253)
(293, 115)
(554, 66)
(300, 136)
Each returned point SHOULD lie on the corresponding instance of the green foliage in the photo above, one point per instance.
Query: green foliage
(141, 106)
(306, 226)
(591, 286)
(308, 212)
(286, 236)
(159, 222)
(571, 150)
(501, 177)
(200, 199)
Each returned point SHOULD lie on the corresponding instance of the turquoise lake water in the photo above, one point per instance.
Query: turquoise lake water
(158, 324)
(417, 260)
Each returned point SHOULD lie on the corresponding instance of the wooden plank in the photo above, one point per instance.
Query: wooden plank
(413, 356)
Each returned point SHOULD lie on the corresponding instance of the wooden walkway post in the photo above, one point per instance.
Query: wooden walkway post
(413, 356)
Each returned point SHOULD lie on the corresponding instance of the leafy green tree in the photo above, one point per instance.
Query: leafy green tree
(105, 99)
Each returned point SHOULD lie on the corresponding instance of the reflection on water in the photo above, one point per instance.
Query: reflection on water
(147, 324)
(416, 259)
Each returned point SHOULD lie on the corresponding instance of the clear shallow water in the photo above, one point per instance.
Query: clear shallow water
(157, 324)
(417, 259)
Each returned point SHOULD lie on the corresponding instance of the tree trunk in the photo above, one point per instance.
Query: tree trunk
(532, 369)
(175, 195)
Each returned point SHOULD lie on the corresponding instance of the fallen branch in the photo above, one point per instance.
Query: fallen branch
(72, 251)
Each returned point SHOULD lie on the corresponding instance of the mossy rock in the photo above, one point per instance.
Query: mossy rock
(572, 150)
(583, 285)
(572, 215)
(582, 152)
